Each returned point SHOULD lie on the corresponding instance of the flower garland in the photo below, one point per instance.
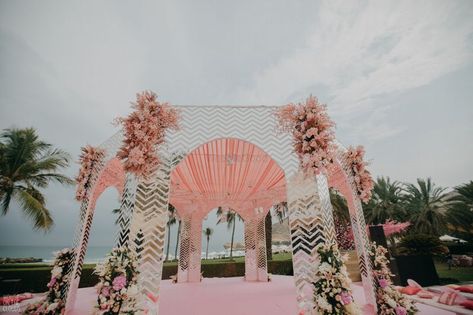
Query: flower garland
(388, 299)
(363, 180)
(53, 303)
(312, 133)
(89, 157)
(117, 287)
(333, 294)
(145, 129)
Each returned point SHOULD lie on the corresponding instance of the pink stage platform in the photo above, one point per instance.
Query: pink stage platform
(229, 296)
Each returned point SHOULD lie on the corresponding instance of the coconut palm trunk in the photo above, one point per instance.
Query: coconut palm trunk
(167, 246)
(233, 236)
(177, 239)
(268, 229)
(207, 232)
(207, 248)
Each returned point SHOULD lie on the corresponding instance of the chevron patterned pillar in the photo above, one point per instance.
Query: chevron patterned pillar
(310, 224)
(80, 251)
(326, 209)
(362, 245)
(195, 253)
(126, 211)
(148, 229)
(184, 249)
(261, 258)
(251, 272)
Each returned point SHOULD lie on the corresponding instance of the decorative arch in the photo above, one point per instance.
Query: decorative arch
(144, 204)
(104, 175)
(232, 173)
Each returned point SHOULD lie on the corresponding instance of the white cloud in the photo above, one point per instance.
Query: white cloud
(369, 50)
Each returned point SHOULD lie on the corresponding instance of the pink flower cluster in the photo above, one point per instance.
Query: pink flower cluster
(363, 180)
(145, 129)
(89, 157)
(312, 132)
(393, 227)
(119, 283)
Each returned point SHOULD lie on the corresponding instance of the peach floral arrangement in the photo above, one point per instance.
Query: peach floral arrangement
(312, 133)
(145, 129)
(89, 157)
(363, 180)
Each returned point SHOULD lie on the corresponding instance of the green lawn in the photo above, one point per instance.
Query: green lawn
(462, 274)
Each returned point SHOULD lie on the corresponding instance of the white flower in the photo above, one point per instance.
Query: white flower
(56, 272)
(323, 304)
(133, 290)
(52, 306)
(390, 301)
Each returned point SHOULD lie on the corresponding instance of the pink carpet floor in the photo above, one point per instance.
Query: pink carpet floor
(230, 296)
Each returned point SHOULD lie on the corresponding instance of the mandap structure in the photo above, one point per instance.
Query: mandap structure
(229, 156)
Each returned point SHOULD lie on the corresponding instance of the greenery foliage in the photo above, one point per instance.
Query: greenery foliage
(421, 244)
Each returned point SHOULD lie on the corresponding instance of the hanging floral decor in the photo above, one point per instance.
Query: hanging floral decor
(388, 299)
(89, 157)
(333, 294)
(393, 227)
(363, 180)
(117, 288)
(312, 133)
(144, 130)
(53, 304)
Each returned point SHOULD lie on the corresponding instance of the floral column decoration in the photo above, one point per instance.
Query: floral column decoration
(145, 129)
(362, 177)
(117, 288)
(333, 294)
(312, 133)
(388, 299)
(89, 157)
(53, 302)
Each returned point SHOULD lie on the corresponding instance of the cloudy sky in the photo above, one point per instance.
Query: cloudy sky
(397, 77)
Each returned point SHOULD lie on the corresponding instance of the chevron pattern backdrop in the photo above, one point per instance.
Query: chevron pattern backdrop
(255, 124)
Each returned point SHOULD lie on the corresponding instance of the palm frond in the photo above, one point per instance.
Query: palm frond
(32, 203)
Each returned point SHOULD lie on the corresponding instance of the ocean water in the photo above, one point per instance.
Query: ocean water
(94, 253)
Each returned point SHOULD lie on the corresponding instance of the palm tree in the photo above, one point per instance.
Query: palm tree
(26, 165)
(171, 221)
(207, 232)
(280, 209)
(340, 207)
(228, 216)
(387, 202)
(460, 213)
(427, 205)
